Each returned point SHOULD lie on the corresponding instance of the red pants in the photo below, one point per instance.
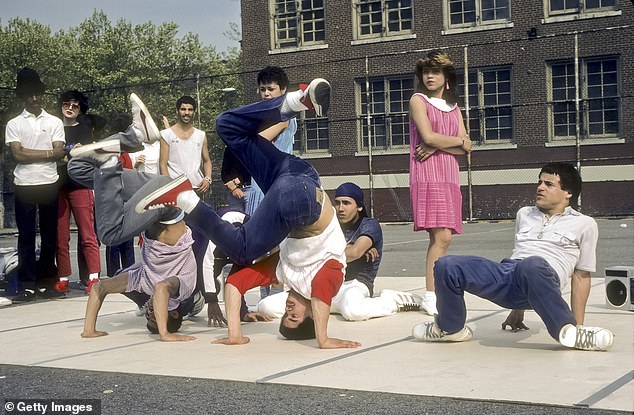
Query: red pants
(82, 204)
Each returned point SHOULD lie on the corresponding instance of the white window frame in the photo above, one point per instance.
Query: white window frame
(579, 12)
(300, 43)
(389, 115)
(385, 33)
(477, 112)
(320, 127)
(585, 102)
(478, 24)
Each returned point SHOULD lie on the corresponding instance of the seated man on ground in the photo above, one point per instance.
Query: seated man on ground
(554, 246)
(364, 250)
(295, 214)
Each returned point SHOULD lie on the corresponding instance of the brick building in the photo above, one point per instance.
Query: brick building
(521, 59)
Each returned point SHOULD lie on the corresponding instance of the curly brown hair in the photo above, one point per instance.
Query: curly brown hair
(438, 60)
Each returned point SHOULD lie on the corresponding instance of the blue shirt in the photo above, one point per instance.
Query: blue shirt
(360, 269)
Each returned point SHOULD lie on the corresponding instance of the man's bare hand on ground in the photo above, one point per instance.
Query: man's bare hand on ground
(515, 321)
(230, 341)
(173, 337)
(255, 316)
(333, 343)
(215, 316)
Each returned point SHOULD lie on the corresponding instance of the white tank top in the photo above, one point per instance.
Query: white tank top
(185, 155)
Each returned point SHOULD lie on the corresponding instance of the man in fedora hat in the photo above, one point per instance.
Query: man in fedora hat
(36, 140)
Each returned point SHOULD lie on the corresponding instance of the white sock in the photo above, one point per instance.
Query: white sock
(93, 276)
(429, 296)
(111, 162)
(64, 278)
(292, 103)
(187, 200)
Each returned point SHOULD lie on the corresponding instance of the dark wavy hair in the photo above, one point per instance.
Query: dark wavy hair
(74, 95)
(568, 176)
(305, 330)
(273, 74)
(437, 59)
(186, 99)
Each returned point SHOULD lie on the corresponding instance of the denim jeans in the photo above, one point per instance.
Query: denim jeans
(289, 185)
(528, 284)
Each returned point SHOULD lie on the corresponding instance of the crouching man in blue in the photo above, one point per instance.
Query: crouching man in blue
(554, 246)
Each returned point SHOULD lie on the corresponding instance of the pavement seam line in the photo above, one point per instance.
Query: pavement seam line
(607, 390)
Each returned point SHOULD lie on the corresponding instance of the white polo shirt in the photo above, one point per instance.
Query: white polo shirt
(35, 133)
(567, 241)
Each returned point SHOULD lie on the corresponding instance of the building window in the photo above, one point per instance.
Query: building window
(389, 106)
(470, 13)
(311, 135)
(562, 7)
(490, 105)
(381, 18)
(599, 99)
(298, 23)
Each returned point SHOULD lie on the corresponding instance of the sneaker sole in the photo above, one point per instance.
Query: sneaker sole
(320, 96)
(100, 147)
(146, 120)
(141, 205)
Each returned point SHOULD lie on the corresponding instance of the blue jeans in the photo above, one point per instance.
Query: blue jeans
(528, 284)
(289, 185)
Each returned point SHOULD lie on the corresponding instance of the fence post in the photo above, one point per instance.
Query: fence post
(369, 124)
(468, 128)
(577, 114)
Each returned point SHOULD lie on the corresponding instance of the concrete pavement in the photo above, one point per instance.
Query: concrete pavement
(497, 367)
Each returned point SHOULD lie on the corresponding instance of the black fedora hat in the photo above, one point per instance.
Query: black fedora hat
(29, 83)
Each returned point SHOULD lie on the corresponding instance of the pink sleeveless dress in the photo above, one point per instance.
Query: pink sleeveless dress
(434, 184)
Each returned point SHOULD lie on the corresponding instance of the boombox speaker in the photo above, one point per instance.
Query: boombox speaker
(619, 287)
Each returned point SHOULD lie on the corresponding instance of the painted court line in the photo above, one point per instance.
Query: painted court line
(607, 390)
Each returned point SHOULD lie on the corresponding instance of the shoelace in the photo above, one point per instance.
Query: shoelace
(410, 307)
(585, 339)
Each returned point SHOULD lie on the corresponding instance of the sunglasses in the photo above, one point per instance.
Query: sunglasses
(70, 105)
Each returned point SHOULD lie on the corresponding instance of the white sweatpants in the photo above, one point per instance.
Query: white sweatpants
(353, 302)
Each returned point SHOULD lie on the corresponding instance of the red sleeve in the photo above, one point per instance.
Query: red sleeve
(327, 281)
(126, 161)
(261, 274)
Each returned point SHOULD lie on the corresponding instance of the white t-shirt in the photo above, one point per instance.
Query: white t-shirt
(567, 241)
(301, 259)
(185, 155)
(151, 153)
(35, 133)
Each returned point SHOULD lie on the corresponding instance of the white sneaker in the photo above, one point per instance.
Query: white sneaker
(4, 301)
(586, 338)
(429, 303)
(99, 152)
(404, 301)
(317, 96)
(314, 96)
(431, 332)
(142, 121)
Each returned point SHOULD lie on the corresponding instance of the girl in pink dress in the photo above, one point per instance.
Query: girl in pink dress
(437, 135)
